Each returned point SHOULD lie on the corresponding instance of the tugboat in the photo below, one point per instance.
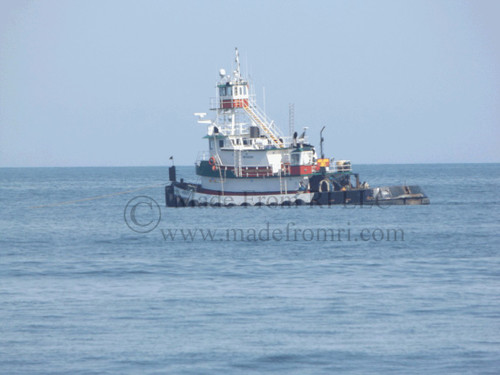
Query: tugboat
(251, 162)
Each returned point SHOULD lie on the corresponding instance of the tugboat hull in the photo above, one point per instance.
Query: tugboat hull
(181, 194)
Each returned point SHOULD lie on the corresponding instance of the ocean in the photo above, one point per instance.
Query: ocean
(87, 287)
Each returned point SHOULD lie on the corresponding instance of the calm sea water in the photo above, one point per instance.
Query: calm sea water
(82, 293)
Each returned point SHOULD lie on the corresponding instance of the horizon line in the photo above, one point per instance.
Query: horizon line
(190, 165)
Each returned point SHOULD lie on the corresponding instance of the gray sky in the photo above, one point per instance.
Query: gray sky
(116, 83)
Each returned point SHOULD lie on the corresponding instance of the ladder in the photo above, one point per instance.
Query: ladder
(237, 163)
(240, 167)
(283, 183)
(264, 126)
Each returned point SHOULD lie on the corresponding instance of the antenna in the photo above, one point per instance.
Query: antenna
(237, 60)
(291, 118)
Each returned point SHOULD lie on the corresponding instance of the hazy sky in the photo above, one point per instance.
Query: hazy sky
(116, 83)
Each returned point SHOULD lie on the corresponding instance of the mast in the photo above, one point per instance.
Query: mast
(238, 114)
(237, 60)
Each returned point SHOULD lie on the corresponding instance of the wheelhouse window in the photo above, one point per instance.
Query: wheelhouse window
(221, 143)
(307, 157)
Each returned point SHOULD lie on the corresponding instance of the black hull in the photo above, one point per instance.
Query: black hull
(389, 195)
